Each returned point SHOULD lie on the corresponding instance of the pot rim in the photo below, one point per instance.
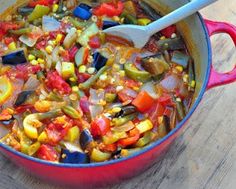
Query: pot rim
(149, 147)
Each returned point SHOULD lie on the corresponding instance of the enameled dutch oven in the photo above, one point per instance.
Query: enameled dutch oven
(196, 32)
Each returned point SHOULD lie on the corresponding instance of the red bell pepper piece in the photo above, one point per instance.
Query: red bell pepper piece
(167, 32)
(143, 101)
(124, 96)
(72, 51)
(108, 147)
(23, 108)
(55, 81)
(100, 126)
(132, 139)
(109, 9)
(154, 112)
(6, 26)
(94, 42)
(47, 152)
(33, 3)
(8, 40)
(166, 100)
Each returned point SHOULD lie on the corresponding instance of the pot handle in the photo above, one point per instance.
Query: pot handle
(216, 78)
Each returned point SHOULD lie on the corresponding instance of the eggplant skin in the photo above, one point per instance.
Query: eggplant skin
(22, 97)
(109, 24)
(99, 61)
(126, 110)
(73, 157)
(14, 58)
(85, 138)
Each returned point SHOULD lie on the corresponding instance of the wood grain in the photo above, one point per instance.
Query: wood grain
(204, 156)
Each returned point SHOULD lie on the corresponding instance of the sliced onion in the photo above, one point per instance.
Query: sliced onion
(50, 24)
(58, 67)
(124, 128)
(150, 89)
(55, 56)
(30, 40)
(48, 59)
(72, 147)
(95, 110)
(96, 96)
(171, 82)
(31, 84)
(131, 92)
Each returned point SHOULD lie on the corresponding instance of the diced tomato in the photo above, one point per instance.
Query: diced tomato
(132, 139)
(65, 55)
(33, 3)
(6, 26)
(167, 32)
(124, 95)
(23, 108)
(41, 44)
(166, 100)
(82, 77)
(154, 112)
(84, 104)
(168, 111)
(8, 40)
(109, 9)
(136, 120)
(131, 83)
(151, 45)
(72, 52)
(100, 126)
(55, 81)
(108, 147)
(47, 152)
(143, 101)
(56, 132)
(94, 42)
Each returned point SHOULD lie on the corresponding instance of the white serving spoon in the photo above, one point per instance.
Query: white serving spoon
(140, 35)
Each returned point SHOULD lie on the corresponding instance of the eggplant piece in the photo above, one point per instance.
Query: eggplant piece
(180, 58)
(73, 157)
(85, 138)
(149, 10)
(22, 97)
(164, 126)
(99, 61)
(191, 75)
(85, 6)
(171, 44)
(126, 110)
(25, 10)
(14, 58)
(82, 13)
(180, 109)
(155, 65)
(7, 122)
(109, 24)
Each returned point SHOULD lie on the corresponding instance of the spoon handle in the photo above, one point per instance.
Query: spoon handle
(177, 15)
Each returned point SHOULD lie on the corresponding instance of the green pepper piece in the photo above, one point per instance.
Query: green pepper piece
(149, 10)
(191, 75)
(136, 74)
(122, 120)
(47, 115)
(110, 97)
(180, 109)
(32, 149)
(129, 19)
(37, 53)
(20, 31)
(40, 76)
(99, 156)
(38, 12)
(144, 140)
(87, 84)
(114, 137)
(77, 23)
(71, 112)
(54, 97)
(128, 152)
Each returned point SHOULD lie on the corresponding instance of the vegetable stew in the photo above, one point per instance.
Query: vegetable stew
(70, 93)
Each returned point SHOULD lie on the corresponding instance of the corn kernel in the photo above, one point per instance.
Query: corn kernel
(116, 18)
(82, 69)
(193, 84)
(162, 38)
(59, 38)
(91, 70)
(72, 79)
(79, 32)
(119, 88)
(173, 35)
(94, 18)
(42, 105)
(41, 61)
(34, 62)
(31, 57)
(75, 88)
(143, 21)
(179, 68)
(50, 42)
(103, 77)
(185, 78)
(122, 73)
(122, 61)
(116, 109)
(49, 49)
(12, 46)
(55, 7)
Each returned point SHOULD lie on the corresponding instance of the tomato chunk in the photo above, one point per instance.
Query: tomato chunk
(109, 9)
(47, 152)
(100, 126)
(132, 139)
(94, 42)
(33, 3)
(143, 101)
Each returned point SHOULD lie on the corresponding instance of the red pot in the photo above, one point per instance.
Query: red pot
(89, 175)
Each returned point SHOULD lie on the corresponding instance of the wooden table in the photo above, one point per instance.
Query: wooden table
(204, 156)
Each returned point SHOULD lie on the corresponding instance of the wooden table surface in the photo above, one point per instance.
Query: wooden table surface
(204, 156)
